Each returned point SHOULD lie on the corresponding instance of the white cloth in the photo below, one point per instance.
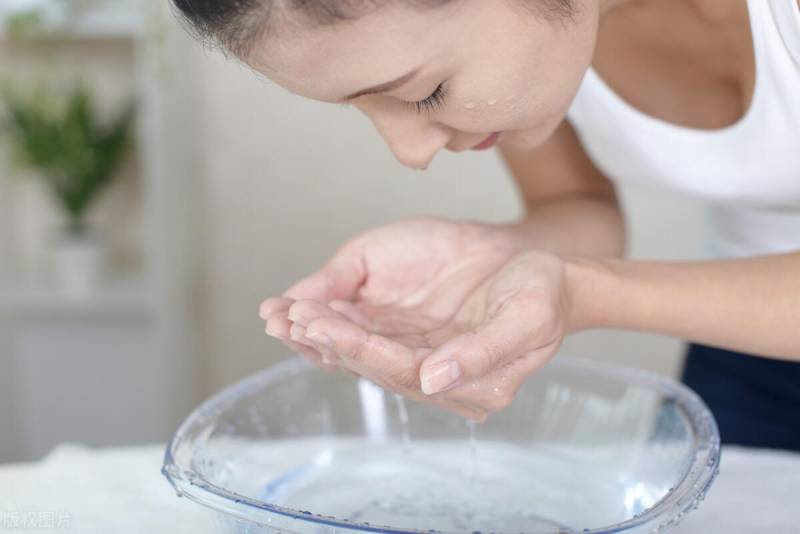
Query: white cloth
(80, 490)
(121, 491)
(748, 172)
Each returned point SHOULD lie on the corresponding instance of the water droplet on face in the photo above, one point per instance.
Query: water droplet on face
(492, 102)
(469, 105)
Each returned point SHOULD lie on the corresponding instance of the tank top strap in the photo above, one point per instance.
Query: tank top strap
(786, 17)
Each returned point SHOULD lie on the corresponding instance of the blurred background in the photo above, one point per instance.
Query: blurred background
(152, 193)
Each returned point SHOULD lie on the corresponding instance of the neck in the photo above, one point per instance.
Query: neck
(608, 5)
(710, 10)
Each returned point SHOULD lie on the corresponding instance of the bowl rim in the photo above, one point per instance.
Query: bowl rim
(685, 495)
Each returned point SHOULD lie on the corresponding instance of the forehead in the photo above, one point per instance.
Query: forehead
(329, 62)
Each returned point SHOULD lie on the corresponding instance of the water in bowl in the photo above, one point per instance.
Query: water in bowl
(584, 446)
(442, 485)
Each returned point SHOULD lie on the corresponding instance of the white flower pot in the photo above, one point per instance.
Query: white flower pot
(78, 264)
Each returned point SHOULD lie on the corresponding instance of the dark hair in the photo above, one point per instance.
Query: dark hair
(235, 25)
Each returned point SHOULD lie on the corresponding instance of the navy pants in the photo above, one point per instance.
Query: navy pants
(756, 401)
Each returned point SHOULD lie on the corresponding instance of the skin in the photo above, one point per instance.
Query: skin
(459, 314)
(483, 95)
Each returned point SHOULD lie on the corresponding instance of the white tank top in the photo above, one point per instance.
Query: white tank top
(748, 172)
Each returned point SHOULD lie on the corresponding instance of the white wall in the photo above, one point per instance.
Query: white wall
(288, 180)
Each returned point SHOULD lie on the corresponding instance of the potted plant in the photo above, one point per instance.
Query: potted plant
(58, 134)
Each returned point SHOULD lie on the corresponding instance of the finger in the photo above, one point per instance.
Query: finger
(312, 356)
(309, 353)
(304, 311)
(368, 354)
(391, 365)
(497, 390)
(273, 304)
(339, 278)
(518, 326)
(383, 319)
(352, 312)
(298, 335)
(279, 326)
(465, 408)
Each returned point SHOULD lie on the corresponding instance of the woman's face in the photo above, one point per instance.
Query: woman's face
(497, 67)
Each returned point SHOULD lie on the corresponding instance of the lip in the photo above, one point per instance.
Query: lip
(489, 142)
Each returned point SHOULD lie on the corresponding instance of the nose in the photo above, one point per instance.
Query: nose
(413, 138)
(416, 149)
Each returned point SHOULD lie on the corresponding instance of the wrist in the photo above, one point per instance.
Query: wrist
(593, 289)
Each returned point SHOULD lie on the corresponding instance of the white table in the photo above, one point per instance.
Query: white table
(121, 491)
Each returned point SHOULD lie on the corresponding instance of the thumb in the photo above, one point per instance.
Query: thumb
(524, 322)
(339, 278)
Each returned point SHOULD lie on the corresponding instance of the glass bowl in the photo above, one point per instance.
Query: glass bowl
(585, 447)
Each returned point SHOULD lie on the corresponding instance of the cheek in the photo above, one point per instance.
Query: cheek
(533, 97)
(529, 105)
(551, 89)
(569, 58)
(487, 102)
(536, 83)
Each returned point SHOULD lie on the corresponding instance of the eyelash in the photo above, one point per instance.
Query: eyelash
(432, 103)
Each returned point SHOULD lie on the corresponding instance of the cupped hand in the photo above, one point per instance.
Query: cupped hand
(451, 313)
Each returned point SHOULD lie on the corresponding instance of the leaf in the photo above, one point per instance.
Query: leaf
(59, 134)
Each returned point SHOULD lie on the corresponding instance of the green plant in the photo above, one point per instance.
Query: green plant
(58, 134)
(25, 23)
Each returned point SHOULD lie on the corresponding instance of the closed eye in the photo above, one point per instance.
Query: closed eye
(432, 103)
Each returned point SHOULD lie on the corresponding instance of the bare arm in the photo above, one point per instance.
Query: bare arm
(750, 305)
(571, 207)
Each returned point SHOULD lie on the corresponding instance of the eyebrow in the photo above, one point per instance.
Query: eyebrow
(383, 87)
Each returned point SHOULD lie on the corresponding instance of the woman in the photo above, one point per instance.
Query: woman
(697, 96)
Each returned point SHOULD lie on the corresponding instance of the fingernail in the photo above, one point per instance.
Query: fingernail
(263, 312)
(320, 338)
(440, 377)
(269, 332)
